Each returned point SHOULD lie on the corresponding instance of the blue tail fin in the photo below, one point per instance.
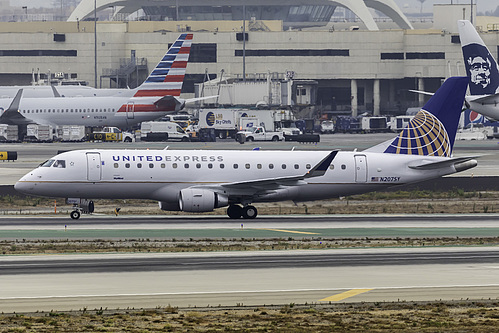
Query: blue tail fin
(481, 67)
(433, 130)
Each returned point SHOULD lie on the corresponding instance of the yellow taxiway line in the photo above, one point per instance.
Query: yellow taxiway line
(346, 294)
(291, 231)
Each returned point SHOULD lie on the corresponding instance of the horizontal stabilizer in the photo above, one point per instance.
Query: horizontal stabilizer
(488, 99)
(445, 163)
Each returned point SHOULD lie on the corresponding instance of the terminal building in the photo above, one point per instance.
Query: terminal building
(356, 67)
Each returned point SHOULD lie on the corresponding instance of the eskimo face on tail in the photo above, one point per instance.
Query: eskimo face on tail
(481, 67)
(433, 130)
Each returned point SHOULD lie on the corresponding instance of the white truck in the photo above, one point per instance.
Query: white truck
(258, 133)
(162, 131)
(111, 134)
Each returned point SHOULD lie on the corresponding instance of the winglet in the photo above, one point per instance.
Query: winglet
(321, 167)
(12, 116)
(56, 93)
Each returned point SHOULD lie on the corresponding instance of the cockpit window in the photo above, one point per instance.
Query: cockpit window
(60, 164)
(47, 163)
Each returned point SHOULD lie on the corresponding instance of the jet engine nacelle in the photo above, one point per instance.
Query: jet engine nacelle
(200, 200)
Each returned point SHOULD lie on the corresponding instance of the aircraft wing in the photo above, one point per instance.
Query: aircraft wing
(252, 187)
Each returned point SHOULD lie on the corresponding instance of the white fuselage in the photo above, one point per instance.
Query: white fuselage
(64, 91)
(162, 174)
(88, 111)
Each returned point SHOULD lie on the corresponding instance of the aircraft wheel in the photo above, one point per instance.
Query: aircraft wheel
(250, 212)
(75, 215)
(234, 211)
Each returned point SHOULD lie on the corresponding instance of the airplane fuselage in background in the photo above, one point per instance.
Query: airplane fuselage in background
(64, 91)
(161, 174)
(89, 111)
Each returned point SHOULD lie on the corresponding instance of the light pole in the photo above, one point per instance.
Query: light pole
(95, 43)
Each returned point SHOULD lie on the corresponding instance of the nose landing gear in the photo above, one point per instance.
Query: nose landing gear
(80, 206)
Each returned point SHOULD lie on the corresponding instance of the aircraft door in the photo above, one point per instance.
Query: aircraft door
(130, 108)
(93, 167)
(360, 168)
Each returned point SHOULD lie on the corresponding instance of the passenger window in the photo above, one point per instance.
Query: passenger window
(331, 167)
(115, 165)
(247, 165)
(186, 165)
(236, 166)
(210, 166)
(198, 165)
(343, 167)
(271, 166)
(297, 166)
(258, 166)
(139, 165)
(163, 165)
(222, 165)
(174, 165)
(284, 166)
(151, 165)
(308, 166)
(127, 165)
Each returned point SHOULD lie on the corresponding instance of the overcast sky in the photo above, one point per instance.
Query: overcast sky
(414, 5)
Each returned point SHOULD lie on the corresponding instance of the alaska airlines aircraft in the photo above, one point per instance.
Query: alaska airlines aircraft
(482, 71)
(154, 98)
(202, 180)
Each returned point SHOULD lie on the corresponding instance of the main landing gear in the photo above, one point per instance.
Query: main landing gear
(246, 212)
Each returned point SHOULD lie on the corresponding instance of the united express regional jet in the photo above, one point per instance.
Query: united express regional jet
(202, 180)
(157, 96)
(482, 71)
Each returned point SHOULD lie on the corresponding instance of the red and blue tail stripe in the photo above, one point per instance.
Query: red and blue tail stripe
(168, 76)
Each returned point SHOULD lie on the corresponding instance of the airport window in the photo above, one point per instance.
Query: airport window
(174, 165)
(38, 53)
(331, 167)
(186, 165)
(127, 165)
(294, 53)
(247, 165)
(151, 165)
(425, 55)
(392, 56)
(198, 165)
(297, 166)
(283, 166)
(163, 165)
(139, 165)
(116, 165)
(271, 166)
(222, 165)
(258, 166)
(191, 79)
(343, 167)
(210, 166)
(235, 166)
(202, 52)
(308, 166)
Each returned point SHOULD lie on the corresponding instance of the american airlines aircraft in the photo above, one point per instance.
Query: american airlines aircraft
(482, 71)
(154, 98)
(202, 180)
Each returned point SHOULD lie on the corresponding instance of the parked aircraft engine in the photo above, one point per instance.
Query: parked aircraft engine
(200, 200)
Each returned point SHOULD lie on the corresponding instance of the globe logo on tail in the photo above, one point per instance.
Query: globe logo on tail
(425, 135)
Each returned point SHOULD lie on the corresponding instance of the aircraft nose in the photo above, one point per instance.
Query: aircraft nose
(22, 186)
